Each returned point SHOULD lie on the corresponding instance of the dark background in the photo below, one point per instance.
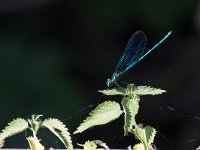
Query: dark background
(55, 55)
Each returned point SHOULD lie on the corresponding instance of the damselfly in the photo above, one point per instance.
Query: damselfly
(133, 54)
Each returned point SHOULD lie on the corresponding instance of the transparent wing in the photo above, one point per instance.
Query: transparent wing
(133, 51)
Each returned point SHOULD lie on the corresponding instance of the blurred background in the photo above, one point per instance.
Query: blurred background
(55, 55)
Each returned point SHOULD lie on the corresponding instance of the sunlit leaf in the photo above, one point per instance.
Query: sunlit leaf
(139, 146)
(147, 90)
(130, 107)
(100, 143)
(60, 130)
(115, 91)
(35, 144)
(16, 126)
(146, 135)
(102, 114)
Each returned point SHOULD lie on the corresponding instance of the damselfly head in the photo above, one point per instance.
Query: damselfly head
(108, 82)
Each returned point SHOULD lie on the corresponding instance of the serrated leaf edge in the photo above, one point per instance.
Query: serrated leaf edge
(14, 127)
(60, 130)
(89, 121)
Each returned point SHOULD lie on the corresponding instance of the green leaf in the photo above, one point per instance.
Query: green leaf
(130, 107)
(139, 146)
(132, 90)
(2, 143)
(102, 114)
(89, 145)
(34, 143)
(131, 87)
(100, 143)
(60, 130)
(147, 90)
(92, 145)
(146, 136)
(115, 91)
(16, 126)
(35, 122)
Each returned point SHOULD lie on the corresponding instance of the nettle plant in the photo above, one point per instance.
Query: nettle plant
(104, 113)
